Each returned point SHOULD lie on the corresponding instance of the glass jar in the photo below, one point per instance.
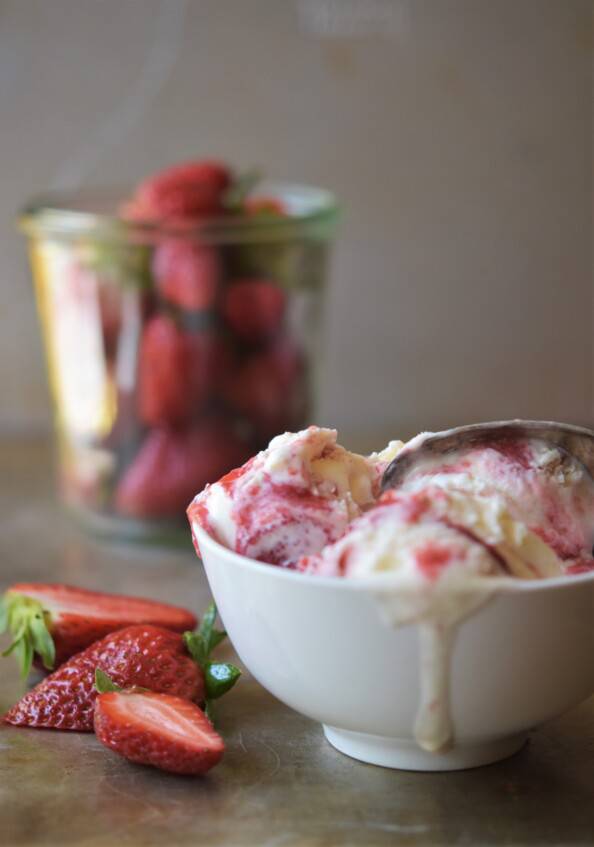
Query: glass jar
(174, 352)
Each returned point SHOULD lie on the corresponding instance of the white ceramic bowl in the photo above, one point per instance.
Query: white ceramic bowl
(322, 646)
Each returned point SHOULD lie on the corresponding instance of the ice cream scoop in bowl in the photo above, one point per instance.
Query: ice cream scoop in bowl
(414, 671)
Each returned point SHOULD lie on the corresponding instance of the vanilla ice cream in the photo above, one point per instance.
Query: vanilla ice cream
(291, 499)
(531, 490)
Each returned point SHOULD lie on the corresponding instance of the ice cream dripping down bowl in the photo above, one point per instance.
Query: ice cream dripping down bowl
(502, 655)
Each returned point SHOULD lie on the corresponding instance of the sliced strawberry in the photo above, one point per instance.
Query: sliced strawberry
(159, 730)
(181, 192)
(177, 371)
(172, 466)
(186, 273)
(148, 656)
(254, 308)
(269, 390)
(55, 621)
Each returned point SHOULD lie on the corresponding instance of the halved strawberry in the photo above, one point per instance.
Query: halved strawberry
(142, 655)
(186, 273)
(186, 191)
(171, 466)
(254, 308)
(177, 370)
(159, 730)
(54, 621)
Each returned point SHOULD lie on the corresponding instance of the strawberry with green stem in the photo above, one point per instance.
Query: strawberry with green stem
(51, 622)
(148, 656)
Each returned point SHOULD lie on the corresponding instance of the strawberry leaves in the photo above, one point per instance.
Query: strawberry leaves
(104, 683)
(26, 620)
(202, 642)
(219, 677)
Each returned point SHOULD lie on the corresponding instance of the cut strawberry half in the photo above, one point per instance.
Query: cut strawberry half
(52, 622)
(254, 309)
(186, 273)
(160, 730)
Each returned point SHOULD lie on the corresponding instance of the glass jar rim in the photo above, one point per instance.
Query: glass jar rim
(312, 213)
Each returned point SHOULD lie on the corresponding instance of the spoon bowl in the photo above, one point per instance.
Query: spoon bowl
(577, 441)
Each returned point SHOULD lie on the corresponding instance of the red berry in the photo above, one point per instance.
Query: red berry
(187, 274)
(268, 389)
(270, 206)
(177, 371)
(171, 467)
(254, 308)
(159, 730)
(74, 617)
(182, 192)
(142, 655)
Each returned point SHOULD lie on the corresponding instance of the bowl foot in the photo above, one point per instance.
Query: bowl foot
(406, 755)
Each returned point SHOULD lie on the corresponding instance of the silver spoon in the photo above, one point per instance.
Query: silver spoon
(575, 440)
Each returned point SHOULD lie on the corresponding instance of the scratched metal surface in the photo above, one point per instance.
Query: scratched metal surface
(280, 783)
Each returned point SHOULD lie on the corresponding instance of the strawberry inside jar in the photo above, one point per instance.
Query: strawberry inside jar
(180, 322)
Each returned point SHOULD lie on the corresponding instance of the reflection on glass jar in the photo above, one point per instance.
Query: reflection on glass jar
(174, 353)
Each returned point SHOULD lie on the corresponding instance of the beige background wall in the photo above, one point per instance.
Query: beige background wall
(458, 134)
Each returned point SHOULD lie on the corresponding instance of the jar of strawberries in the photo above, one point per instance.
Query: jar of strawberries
(181, 330)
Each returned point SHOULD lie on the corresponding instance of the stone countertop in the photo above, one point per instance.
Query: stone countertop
(280, 783)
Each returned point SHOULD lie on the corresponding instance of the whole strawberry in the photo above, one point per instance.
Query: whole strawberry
(191, 190)
(177, 369)
(52, 622)
(186, 273)
(160, 730)
(148, 656)
(143, 656)
(268, 388)
(172, 465)
(254, 309)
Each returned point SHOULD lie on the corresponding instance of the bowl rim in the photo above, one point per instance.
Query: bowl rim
(384, 582)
